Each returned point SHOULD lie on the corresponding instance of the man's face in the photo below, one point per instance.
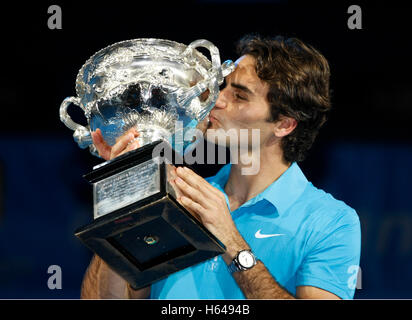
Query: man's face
(242, 104)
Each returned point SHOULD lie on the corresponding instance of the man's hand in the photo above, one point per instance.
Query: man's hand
(209, 203)
(123, 144)
(101, 282)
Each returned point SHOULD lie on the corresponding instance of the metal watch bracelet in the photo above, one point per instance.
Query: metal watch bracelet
(235, 265)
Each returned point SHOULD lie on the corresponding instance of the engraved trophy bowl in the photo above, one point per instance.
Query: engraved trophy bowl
(164, 89)
(148, 83)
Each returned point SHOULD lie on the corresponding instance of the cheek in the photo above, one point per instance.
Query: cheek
(250, 118)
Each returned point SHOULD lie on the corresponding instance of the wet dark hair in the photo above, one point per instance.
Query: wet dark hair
(298, 76)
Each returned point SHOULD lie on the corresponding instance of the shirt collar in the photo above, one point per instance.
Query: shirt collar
(282, 193)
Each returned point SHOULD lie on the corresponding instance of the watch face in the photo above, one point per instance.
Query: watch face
(245, 259)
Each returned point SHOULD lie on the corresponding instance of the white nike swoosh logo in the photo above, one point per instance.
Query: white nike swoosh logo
(258, 235)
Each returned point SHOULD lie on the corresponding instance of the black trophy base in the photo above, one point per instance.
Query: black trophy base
(151, 238)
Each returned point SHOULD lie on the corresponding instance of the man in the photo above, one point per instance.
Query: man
(285, 238)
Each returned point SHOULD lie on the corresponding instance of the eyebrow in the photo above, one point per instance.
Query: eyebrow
(241, 87)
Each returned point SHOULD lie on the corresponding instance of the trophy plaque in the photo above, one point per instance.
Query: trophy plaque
(139, 228)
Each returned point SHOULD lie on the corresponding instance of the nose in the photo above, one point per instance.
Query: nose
(221, 101)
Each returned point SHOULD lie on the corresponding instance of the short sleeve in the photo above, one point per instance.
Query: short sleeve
(330, 262)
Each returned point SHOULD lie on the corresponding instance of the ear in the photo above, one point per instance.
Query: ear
(284, 126)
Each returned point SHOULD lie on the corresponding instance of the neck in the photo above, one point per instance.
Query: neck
(241, 187)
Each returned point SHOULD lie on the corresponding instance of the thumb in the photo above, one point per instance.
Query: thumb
(101, 145)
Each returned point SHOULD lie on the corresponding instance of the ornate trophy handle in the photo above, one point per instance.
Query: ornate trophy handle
(214, 54)
(216, 76)
(81, 134)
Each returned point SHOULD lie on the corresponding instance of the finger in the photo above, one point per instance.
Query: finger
(171, 172)
(192, 205)
(191, 211)
(196, 181)
(211, 195)
(101, 145)
(129, 133)
(131, 146)
(176, 188)
(193, 193)
(123, 142)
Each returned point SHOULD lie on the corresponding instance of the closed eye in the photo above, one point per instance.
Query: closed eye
(240, 97)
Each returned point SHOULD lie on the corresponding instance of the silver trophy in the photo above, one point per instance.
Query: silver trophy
(159, 87)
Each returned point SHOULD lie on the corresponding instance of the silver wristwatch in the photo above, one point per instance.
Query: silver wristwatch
(244, 260)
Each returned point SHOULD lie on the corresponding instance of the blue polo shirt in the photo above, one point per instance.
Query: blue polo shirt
(303, 235)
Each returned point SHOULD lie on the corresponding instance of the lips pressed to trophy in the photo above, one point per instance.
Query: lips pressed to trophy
(154, 85)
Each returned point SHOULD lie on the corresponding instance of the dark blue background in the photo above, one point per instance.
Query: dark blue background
(362, 156)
